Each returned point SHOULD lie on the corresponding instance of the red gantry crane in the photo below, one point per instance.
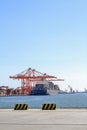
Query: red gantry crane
(30, 76)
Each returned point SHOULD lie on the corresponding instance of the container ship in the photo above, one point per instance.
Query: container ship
(45, 89)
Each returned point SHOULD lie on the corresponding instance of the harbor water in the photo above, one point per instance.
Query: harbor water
(75, 100)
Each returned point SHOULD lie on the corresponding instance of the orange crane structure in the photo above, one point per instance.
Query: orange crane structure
(30, 76)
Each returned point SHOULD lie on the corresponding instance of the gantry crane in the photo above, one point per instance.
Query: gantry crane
(30, 76)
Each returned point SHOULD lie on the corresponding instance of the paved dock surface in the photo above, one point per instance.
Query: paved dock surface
(36, 119)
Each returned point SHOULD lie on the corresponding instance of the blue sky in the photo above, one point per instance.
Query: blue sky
(48, 35)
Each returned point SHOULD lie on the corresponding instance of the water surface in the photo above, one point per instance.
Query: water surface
(76, 100)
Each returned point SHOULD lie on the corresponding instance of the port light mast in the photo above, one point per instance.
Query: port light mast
(30, 76)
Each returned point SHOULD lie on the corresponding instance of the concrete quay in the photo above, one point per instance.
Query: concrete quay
(37, 119)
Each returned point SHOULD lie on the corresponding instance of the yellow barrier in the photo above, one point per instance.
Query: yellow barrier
(48, 106)
(21, 107)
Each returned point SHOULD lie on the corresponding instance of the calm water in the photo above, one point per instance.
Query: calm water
(77, 100)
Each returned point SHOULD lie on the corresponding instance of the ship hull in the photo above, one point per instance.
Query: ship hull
(52, 92)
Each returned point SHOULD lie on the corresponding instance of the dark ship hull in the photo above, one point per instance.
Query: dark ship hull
(39, 89)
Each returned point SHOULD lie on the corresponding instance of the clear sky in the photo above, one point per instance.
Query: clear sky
(47, 35)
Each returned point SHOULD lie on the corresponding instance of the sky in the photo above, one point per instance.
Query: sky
(47, 35)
